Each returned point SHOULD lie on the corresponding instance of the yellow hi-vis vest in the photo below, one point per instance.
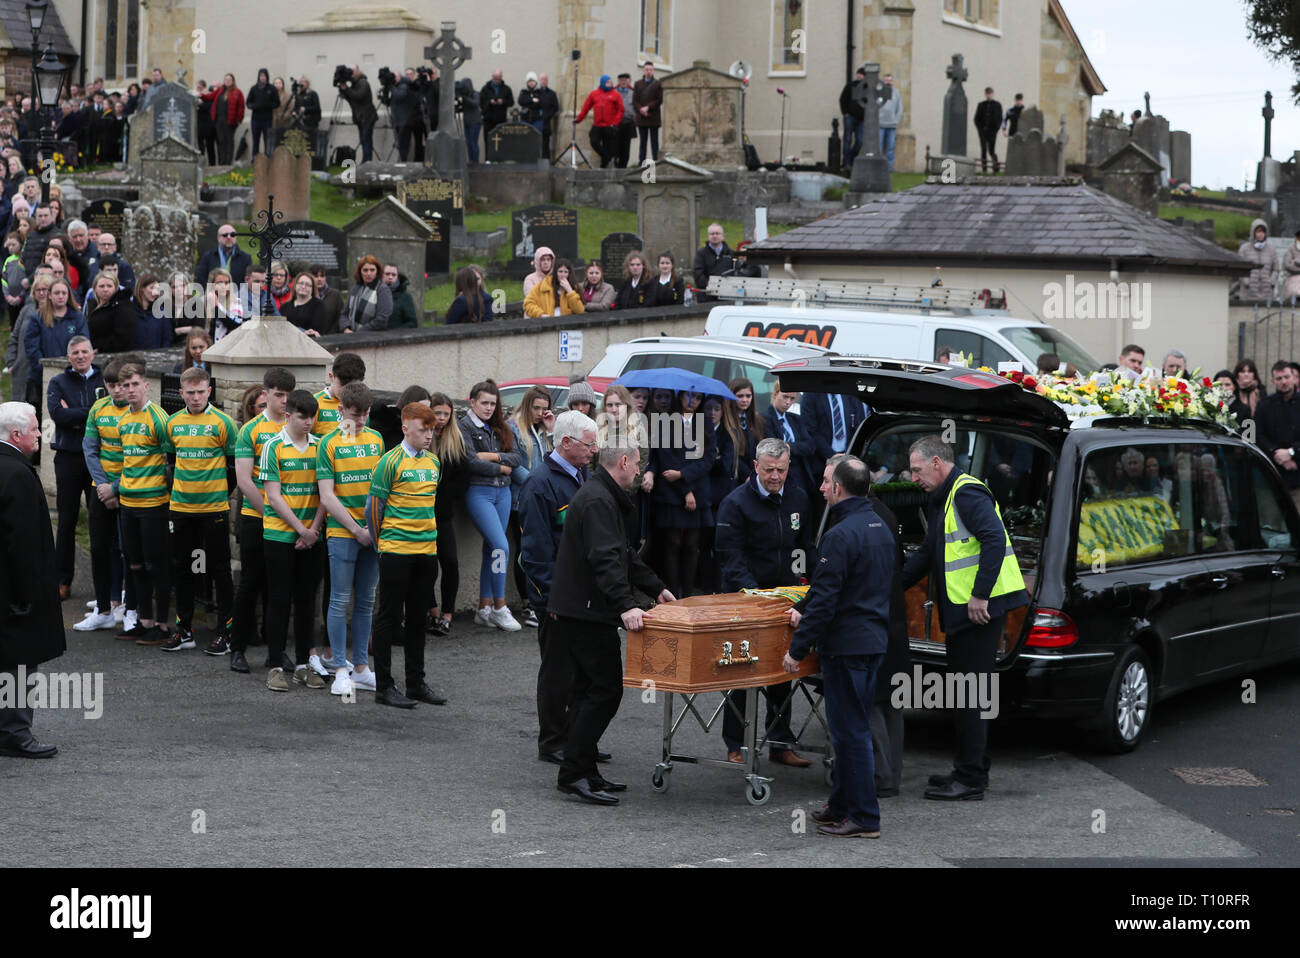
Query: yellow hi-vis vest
(961, 552)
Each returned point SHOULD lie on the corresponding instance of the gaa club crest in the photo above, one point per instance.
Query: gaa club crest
(794, 521)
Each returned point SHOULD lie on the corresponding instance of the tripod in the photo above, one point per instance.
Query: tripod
(573, 150)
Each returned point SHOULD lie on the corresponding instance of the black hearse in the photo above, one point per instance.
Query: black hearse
(1158, 555)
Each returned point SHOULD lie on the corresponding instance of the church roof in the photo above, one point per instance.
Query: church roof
(1020, 222)
(16, 31)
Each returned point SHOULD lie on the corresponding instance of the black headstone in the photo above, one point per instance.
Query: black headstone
(324, 245)
(420, 192)
(514, 143)
(614, 249)
(954, 109)
(205, 233)
(437, 251)
(110, 216)
(538, 226)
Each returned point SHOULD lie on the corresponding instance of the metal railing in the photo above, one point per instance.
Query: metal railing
(1269, 336)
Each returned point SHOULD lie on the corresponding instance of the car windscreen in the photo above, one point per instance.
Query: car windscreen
(1033, 341)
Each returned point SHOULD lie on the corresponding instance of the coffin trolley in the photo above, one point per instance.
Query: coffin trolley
(712, 644)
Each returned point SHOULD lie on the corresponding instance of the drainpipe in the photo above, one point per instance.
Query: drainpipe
(81, 66)
(848, 41)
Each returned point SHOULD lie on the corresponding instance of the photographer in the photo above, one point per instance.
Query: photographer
(306, 103)
(355, 88)
(431, 89)
(407, 104)
(470, 113)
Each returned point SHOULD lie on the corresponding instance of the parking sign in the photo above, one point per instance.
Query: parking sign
(570, 346)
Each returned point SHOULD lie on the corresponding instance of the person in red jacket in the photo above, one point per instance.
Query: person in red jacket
(607, 113)
(227, 112)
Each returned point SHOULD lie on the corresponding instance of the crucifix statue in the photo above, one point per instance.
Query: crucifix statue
(447, 53)
(1146, 98)
(954, 109)
(270, 234)
(1268, 123)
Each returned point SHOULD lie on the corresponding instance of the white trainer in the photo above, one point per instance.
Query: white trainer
(318, 666)
(94, 621)
(342, 684)
(484, 617)
(364, 680)
(502, 619)
(91, 605)
(119, 611)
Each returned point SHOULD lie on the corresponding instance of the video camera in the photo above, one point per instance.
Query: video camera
(342, 74)
(387, 80)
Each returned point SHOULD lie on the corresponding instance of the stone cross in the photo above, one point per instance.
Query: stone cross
(447, 53)
(870, 108)
(1268, 123)
(1062, 138)
(1147, 98)
(954, 109)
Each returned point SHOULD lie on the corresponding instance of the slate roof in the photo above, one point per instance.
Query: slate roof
(1019, 221)
(15, 29)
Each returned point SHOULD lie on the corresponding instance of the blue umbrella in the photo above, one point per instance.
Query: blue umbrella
(678, 380)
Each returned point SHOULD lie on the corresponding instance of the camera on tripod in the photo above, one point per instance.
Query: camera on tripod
(387, 80)
(342, 74)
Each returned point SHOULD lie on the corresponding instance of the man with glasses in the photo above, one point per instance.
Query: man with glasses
(227, 256)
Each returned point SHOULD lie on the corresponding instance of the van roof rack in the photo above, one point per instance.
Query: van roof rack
(822, 293)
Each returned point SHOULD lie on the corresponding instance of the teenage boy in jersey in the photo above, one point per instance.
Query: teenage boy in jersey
(203, 438)
(102, 449)
(278, 382)
(291, 533)
(344, 465)
(400, 517)
(144, 493)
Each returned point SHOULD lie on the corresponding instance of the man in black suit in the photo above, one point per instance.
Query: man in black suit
(786, 425)
(591, 593)
(988, 121)
(227, 256)
(831, 420)
(31, 624)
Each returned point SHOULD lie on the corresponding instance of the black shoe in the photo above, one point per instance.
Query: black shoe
(886, 792)
(237, 662)
(390, 696)
(585, 792)
(555, 758)
(955, 791)
(30, 749)
(605, 785)
(604, 757)
(425, 694)
(825, 817)
(287, 663)
(941, 781)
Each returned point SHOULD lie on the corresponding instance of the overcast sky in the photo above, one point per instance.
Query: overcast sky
(1203, 73)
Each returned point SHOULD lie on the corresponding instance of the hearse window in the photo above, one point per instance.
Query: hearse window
(984, 351)
(1139, 503)
(1271, 507)
(1016, 470)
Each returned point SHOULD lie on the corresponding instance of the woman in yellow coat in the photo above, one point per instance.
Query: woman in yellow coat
(542, 300)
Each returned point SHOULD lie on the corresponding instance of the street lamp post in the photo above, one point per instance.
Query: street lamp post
(47, 82)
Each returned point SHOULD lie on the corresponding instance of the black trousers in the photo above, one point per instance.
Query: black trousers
(207, 142)
(145, 541)
(298, 573)
(652, 133)
(597, 692)
(988, 148)
(405, 584)
(105, 554)
(554, 684)
(71, 484)
(225, 134)
(129, 600)
(252, 581)
(604, 140)
(15, 723)
(973, 651)
(448, 563)
(626, 131)
(404, 137)
(778, 719)
(514, 535)
(203, 535)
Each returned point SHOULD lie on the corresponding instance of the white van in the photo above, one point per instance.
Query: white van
(896, 322)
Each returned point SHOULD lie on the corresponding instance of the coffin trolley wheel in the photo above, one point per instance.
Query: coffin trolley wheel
(758, 794)
(659, 780)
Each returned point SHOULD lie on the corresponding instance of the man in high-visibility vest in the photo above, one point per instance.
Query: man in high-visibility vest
(975, 581)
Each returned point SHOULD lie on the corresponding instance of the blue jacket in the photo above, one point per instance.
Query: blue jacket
(152, 332)
(530, 458)
(975, 506)
(543, 506)
(757, 537)
(805, 467)
(846, 611)
(43, 341)
(816, 414)
(79, 393)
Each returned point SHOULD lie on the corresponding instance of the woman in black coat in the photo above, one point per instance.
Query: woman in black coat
(114, 323)
(666, 288)
(31, 621)
(682, 496)
(632, 294)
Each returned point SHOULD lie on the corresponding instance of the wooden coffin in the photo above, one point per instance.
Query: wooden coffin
(916, 597)
(682, 647)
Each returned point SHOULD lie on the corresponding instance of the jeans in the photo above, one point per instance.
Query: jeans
(225, 143)
(888, 140)
(650, 133)
(849, 685)
(261, 132)
(405, 136)
(105, 554)
(366, 133)
(489, 510)
(472, 131)
(988, 148)
(352, 569)
(852, 139)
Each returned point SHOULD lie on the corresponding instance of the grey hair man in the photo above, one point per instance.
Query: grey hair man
(1175, 363)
